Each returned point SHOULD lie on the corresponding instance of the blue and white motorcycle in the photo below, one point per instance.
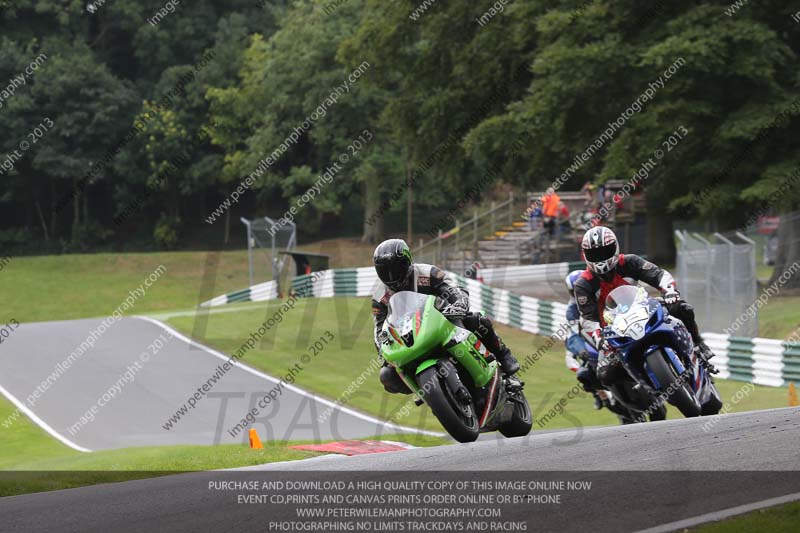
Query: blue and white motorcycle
(657, 351)
(626, 399)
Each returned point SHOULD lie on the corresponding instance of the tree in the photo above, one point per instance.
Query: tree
(591, 68)
(287, 90)
(86, 103)
(445, 74)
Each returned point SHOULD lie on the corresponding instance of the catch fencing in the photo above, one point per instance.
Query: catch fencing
(719, 278)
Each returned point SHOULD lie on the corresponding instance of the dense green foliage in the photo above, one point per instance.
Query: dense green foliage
(156, 125)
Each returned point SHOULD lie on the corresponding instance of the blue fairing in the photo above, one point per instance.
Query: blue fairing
(661, 332)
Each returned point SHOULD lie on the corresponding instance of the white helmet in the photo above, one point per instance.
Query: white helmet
(570, 280)
(600, 250)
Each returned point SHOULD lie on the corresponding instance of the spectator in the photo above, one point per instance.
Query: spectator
(619, 203)
(535, 216)
(563, 212)
(550, 203)
(609, 204)
(562, 217)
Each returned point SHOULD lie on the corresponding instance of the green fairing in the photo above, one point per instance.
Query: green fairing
(429, 346)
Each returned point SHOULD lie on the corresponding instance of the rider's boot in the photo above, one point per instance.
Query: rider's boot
(704, 353)
(507, 361)
(701, 349)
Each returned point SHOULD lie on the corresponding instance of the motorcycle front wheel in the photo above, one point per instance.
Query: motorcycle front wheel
(682, 395)
(457, 418)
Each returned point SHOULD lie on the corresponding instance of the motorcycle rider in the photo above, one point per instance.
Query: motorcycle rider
(581, 360)
(608, 269)
(578, 358)
(398, 272)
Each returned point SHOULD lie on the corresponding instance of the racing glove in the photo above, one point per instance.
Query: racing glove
(671, 296)
(459, 308)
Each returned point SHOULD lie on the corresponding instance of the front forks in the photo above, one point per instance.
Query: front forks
(448, 370)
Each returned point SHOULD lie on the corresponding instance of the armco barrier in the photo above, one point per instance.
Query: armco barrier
(761, 361)
(256, 293)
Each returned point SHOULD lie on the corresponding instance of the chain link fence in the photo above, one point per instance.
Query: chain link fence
(717, 274)
(266, 239)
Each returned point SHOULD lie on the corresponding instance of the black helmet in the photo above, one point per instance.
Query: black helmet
(393, 263)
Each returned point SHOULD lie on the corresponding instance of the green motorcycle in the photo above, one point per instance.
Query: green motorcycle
(448, 368)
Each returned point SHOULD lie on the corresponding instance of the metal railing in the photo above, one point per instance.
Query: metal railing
(459, 246)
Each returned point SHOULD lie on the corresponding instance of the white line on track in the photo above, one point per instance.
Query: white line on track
(41, 423)
(288, 386)
(720, 515)
(230, 308)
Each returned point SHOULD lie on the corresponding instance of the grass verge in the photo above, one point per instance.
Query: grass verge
(781, 519)
(61, 287)
(92, 285)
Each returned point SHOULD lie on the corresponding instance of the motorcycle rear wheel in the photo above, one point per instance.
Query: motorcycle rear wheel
(714, 404)
(458, 419)
(522, 421)
(682, 396)
(659, 414)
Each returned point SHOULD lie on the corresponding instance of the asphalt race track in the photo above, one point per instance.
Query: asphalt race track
(643, 476)
(757, 440)
(143, 403)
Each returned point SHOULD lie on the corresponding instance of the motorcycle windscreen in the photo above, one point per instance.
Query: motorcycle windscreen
(405, 308)
(622, 299)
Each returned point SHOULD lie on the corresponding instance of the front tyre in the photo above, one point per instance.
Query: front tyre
(457, 418)
(682, 395)
(522, 420)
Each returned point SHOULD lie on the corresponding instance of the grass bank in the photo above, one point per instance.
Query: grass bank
(346, 358)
